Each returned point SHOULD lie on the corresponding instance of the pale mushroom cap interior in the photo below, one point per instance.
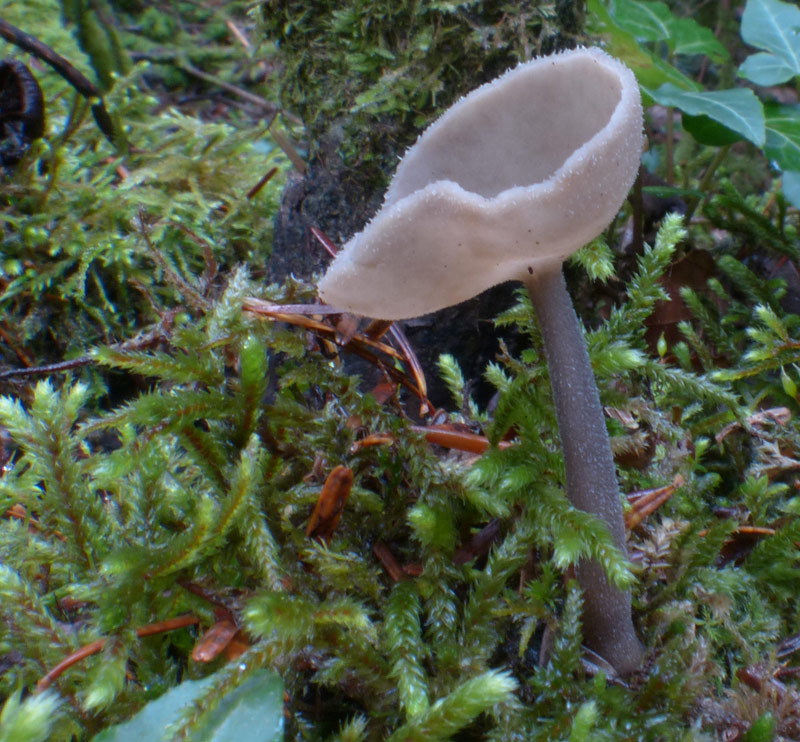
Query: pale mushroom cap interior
(518, 174)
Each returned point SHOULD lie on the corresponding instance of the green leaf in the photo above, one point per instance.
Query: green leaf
(791, 187)
(647, 21)
(774, 27)
(654, 21)
(687, 36)
(783, 135)
(654, 71)
(707, 131)
(738, 109)
(252, 711)
(650, 70)
(765, 69)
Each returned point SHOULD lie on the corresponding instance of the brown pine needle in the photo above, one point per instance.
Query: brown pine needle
(96, 646)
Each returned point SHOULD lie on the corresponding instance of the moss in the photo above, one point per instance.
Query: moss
(172, 469)
(377, 72)
(158, 26)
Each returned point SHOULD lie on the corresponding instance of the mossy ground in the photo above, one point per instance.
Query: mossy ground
(172, 470)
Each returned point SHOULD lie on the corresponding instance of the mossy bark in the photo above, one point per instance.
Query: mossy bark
(360, 116)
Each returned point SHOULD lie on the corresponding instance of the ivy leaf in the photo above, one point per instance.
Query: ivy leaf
(647, 21)
(791, 187)
(765, 69)
(774, 27)
(707, 131)
(783, 135)
(783, 145)
(654, 21)
(650, 70)
(738, 109)
(252, 711)
(687, 36)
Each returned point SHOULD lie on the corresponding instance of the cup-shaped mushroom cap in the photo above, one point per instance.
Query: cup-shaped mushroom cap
(514, 177)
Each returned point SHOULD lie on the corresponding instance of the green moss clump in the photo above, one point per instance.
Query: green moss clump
(158, 26)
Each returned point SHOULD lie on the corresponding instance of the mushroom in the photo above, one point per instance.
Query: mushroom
(510, 181)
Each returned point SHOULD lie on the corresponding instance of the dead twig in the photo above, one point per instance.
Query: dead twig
(298, 315)
(69, 72)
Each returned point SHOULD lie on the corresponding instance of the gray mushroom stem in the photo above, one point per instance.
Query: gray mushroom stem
(510, 180)
(589, 464)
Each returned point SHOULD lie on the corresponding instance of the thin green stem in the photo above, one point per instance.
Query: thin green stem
(705, 184)
(670, 155)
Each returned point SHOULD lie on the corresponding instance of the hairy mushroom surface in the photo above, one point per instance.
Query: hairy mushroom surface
(510, 181)
(519, 174)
